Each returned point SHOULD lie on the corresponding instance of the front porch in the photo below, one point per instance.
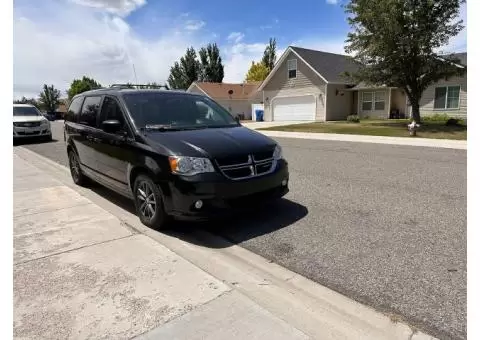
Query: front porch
(380, 102)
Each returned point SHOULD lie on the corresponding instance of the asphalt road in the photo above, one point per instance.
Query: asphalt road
(385, 225)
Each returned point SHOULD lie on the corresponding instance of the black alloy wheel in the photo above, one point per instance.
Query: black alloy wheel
(149, 203)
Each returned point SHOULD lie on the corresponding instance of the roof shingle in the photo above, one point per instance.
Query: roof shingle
(221, 90)
(329, 65)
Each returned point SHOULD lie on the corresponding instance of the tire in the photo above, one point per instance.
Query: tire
(74, 164)
(149, 203)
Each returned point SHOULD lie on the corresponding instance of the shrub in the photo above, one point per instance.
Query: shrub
(353, 119)
(438, 117)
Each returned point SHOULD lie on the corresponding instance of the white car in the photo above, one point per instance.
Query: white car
(29, 122)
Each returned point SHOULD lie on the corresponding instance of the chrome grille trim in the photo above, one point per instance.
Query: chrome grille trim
(251, 166)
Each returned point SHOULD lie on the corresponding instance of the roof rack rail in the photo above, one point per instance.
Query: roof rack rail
(140, 86)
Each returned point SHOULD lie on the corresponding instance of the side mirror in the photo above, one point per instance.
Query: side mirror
(111, 126)
(237, 119)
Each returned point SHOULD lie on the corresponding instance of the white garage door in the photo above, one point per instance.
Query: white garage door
(294, 108)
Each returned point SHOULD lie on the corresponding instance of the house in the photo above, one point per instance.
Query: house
(448, 96)
(236, 98)
(308, 85)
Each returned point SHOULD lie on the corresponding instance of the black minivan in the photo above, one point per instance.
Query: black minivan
(176, 154)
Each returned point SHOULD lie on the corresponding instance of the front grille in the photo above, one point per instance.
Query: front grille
(27, 124)
(246, 166)
(28, 133)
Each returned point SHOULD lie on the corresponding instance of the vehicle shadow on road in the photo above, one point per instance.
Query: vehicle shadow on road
(242, 227)
(223, 233)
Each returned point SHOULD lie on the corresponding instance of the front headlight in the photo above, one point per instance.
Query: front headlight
(189, 166)
(45, 122)
(278, 153)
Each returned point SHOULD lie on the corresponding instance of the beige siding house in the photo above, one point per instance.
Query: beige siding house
(308, 85)
(444, 97)
(236, 98)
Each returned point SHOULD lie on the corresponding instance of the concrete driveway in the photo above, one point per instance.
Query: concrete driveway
(383, 224)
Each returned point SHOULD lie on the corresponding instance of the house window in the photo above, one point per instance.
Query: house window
(367, 100)
(373, 101)
(379, 100)
(292, 68)
(447, 97)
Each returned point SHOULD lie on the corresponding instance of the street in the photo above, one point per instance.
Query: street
(382, 224)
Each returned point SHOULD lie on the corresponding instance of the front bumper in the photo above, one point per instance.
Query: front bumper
(221, 196)
(29, 132)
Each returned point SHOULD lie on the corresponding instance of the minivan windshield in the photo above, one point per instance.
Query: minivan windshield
(166, 111)
(25, 111)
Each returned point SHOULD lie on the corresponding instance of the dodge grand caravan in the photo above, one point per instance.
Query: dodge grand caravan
(175, 154)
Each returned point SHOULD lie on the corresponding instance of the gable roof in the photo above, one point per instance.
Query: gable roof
(328, 66)
(221, 90)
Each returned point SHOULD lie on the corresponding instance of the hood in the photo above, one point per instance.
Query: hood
(212, 143)
(18, 119)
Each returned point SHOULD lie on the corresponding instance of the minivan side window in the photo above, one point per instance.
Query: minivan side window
(74, 110)
(90, 109)
(111, 111)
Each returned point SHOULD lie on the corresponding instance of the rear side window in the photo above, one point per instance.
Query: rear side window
(90, 109)
(74, 110)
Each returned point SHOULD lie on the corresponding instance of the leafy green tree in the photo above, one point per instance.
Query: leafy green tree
(270, 54)
(185, 72)
(212, 69)
(49, 98)
(395, 43)
(257, 72)
(82, 85)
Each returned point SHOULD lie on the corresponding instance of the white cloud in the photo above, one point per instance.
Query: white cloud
(235, 37)
(332, 2)
(239, 57)
(58, 42)
(74, 42)
(194, 25)
(118, 7)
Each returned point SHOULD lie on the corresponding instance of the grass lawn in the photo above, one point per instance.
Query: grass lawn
(392, 128)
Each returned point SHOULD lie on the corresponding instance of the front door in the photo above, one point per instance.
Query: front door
(114, 151)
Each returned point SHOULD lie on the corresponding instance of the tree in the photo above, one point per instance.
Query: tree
(211, 64)
(185, 72)
(395, 43)
(257, 72)
(82, 85)
(49, 98)
(25, 100)
(270, 54)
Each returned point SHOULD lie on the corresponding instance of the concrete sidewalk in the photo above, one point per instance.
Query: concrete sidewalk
(79, 273)
(424, 142)
(84, 267)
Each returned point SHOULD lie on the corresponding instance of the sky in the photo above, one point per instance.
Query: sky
(56, 41)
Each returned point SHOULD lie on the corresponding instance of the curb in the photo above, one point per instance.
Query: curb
(317, 311)
(401, 141)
